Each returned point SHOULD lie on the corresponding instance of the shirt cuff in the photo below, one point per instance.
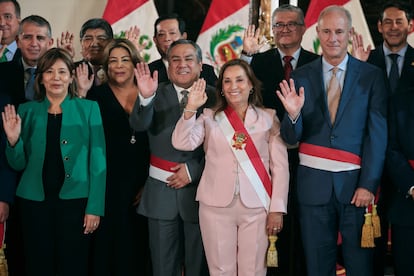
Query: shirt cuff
(246, 58)
(295, 119)
(410, 191)
(145, 101)
(188, 172)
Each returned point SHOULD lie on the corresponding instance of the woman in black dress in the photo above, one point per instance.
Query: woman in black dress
(120, 245)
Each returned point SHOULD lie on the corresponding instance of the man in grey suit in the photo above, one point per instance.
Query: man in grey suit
(168, 199)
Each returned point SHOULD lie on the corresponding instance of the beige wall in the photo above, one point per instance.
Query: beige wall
(64, 14)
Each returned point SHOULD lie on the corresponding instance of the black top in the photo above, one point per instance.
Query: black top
(53, 170)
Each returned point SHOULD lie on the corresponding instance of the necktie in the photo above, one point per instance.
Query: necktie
(333, 94)
(288, 66)
(184, 99)
(3, 58)
(29, 91)
(394, 76)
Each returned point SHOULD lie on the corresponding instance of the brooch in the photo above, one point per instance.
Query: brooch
(239, 140)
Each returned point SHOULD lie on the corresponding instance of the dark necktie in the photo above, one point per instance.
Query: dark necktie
(3, 58)
(29, 91)
(333, 94)
(184, 99)
(288, 66)
(394, 76)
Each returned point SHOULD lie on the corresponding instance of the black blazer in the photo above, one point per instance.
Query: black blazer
(207, 72)
(406, 81)
(8, 177)
(268, 68)
(400, 150)
(12, 79)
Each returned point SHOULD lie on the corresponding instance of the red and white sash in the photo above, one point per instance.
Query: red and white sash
(161, 169)
(328, 159)
(246, 154)
(411, 163)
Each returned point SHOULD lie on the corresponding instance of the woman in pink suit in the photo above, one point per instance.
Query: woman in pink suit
(244, 187)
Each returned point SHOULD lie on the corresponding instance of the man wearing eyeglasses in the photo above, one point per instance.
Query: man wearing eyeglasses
(288, 27)
(9, 28)
(94, 35)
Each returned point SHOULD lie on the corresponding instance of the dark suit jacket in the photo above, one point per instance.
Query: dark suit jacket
(406, 81)
(12, 79)
(159, 119)
(7, 174)
(360, 128)
(400, 150)
(268, 68)
(207, 72)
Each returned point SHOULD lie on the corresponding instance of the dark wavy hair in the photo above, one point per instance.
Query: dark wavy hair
(255, 98)
(125, 44)
(45, 62)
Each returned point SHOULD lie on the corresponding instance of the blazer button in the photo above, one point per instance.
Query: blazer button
(64, 142)
(67, 175)
(66, 158)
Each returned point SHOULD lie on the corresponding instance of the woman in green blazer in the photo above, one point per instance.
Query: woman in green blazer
(58, 143)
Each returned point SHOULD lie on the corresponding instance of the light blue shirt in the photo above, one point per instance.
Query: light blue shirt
(400, 59)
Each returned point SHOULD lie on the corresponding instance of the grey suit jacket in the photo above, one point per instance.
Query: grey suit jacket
(159, 119)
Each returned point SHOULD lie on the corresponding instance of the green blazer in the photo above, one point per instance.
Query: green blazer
(82, 144)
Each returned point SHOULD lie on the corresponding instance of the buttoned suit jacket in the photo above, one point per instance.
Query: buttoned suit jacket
(159, 119)
(207, 72)
(360, 128)
(268, 68)
(400, 150)
(82, 145)
(406, 81)
(218, 182)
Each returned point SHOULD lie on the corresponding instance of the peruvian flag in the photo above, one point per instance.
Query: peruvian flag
(221, 36)
(123, 14)
(310, 40)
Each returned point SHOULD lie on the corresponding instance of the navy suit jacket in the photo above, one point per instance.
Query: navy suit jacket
(406, 81)
(400, 150)
(207, 72)
(360, 128)
(268, 68)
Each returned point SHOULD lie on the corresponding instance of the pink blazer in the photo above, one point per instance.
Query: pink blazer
(218, 181)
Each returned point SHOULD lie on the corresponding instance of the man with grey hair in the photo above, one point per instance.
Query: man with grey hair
(271, 67)
(336, 107)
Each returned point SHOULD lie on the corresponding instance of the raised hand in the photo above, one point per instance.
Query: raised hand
(147, 85)
(11, 124)
(291, 100)
(358, 50)
(197, 96)
(133, 35)
(83, 81)
(66, 42)
(251, 40)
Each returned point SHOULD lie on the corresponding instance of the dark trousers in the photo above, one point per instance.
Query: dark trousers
(54, 243)
(320, 225)
(403, 249)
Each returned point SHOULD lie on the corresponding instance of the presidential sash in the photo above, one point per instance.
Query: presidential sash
(328, 159)
(246, 154)
(411, 163)
(161, 169)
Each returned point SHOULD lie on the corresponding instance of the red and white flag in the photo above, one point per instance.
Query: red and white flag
(221, 36)
(310, 40)
(123, 14)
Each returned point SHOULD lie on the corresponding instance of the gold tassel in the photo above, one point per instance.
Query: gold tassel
(272, 252)
(376, 222)
(4, 271)
(367, 238)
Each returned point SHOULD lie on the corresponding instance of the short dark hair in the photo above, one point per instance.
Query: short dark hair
(402, 6)
(289, 8)
(16, 4)
(97, 23)
(38, 21)
(255, 97)
(45, 62)
(181, 22)
(199, 53)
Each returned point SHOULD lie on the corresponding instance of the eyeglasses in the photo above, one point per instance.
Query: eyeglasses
(99, 38)
(291, 26)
